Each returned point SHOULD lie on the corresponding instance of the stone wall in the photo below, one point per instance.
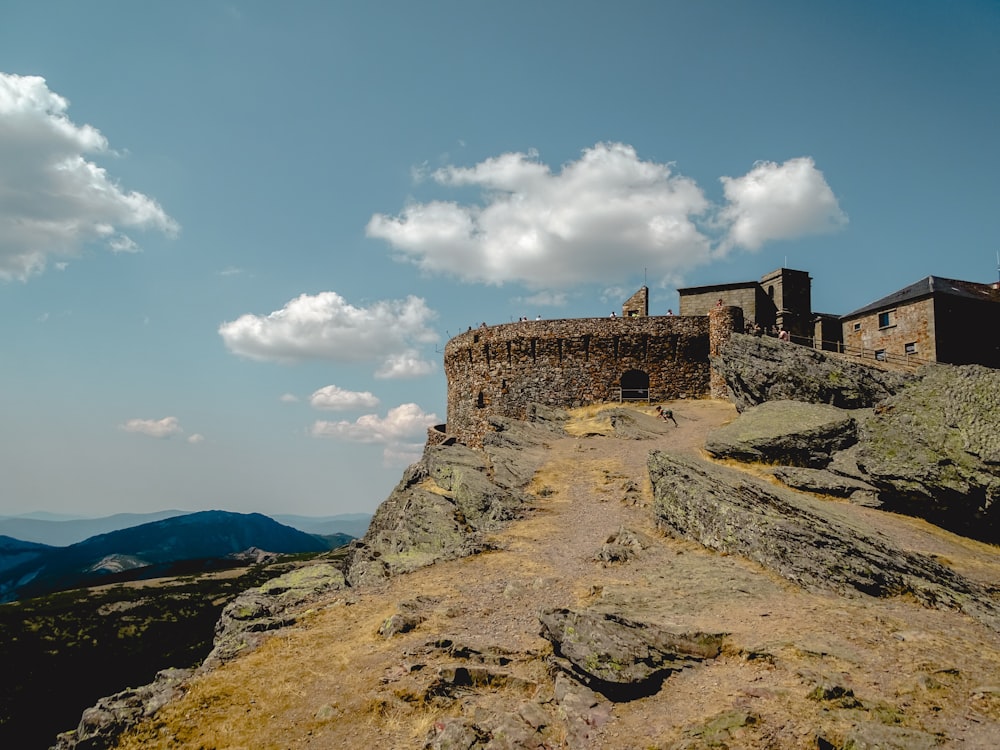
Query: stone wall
(756, 305)
(501, 370)
(909, 323)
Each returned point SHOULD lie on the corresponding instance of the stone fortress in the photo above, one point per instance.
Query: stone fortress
(503, 370)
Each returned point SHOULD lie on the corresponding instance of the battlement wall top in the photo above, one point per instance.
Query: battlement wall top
(573, 327)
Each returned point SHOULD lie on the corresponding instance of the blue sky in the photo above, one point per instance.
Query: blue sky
(235, 236)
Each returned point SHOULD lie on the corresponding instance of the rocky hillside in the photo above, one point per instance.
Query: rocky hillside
(600, 579)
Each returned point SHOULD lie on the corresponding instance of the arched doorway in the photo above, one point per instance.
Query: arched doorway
(635, 386)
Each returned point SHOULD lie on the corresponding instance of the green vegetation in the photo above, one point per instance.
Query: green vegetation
(64, 651)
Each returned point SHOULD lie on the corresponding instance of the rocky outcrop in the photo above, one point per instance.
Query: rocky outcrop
(791, 433)
(449, 500)
(102, 724)
(801, 540)
(759, 369)
(247, 619)
(824, 482)
(621, 658)
(930, 446)
(934, 448)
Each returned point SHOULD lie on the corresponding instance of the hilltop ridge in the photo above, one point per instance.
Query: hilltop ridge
(556, 590)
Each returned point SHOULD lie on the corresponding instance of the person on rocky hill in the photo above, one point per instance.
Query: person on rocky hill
(666, 414)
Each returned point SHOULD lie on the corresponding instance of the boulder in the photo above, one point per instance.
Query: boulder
(759, 369)
(621, 658)
(823, 482)
(801, 540)
(933, 449)
(792, 433)
(102, 724)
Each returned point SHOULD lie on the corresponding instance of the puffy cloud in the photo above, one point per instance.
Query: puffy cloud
(333, 398)
(401, 431)
(288, 398)
(326, 327)
(408, 364)
(597, 219)
(779, 202)
(544, 298)
(157, 428)
(600, 217)
(54, 200)
(196, 438)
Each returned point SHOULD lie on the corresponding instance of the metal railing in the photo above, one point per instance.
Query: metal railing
(880, 357)
(629, 394)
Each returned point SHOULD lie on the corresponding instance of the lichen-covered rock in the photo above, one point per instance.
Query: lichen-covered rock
(792, 433)
(622, 658)
(759, 369)
(823, 482)
(448, 501)
(102, 724)
(801, 540)
(247, 618)
(934, 448)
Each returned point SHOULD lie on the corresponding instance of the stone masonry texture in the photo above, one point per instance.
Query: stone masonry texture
(500, 371)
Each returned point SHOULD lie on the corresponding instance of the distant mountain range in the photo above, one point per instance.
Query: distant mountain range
(60, 530)
(147, 550)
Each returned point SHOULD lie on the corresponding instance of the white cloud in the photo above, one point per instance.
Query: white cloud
(288, 398)
(408, 364)
(55, 201)
(401, 431)
(597, 219)
(779, 202)
(196, 438)
(157, 428)
(326, 327)
(334, 398)
(402, 454)
(544, 298)
(600, 217)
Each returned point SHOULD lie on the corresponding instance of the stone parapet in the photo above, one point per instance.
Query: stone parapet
(499, 371)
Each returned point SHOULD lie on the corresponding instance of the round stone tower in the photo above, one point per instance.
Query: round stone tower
(722, 322)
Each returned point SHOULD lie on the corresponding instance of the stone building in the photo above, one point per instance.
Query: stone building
(933, 320)
(502, 370)
(782, 298)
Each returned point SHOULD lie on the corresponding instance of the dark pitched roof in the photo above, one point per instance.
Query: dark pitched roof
(719, 287)
(929, 286)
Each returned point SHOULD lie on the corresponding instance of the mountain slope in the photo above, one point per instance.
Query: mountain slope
(15, 552)
(62, 532)
(207, 534)
(582, 625)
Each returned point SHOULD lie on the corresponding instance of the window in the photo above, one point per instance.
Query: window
(857, 326)
(910, 348)
(886, 319)
(880, 355)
